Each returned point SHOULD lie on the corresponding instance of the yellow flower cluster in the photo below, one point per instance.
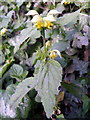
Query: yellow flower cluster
(39, 24)
(48, 24)
(45, 22)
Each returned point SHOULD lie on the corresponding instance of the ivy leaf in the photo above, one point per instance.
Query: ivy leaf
(80, 66)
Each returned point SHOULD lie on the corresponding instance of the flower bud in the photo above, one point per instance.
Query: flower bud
(3, 31)
(48, 44)
(52, 54)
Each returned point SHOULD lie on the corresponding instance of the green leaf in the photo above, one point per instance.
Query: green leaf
(60, 7)
(53, 1)
(72, 88)
(2, 57)
(20, 2)
(24, 74)
(22, 110)
(5, 110)
(45, 81)
(86, 104)
(83, 19)
(60, 116)
(24, 35)
(61, 46)
(81, 66)
(49, 77)
(22, 89)
(70, 18)
(4, 68)
(6, 19)
(16, 71)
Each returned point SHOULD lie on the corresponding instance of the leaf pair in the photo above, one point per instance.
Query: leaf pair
(45, 82)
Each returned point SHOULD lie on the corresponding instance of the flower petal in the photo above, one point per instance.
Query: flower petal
(51, 12)
(32, 12)
(49, 18)
(58, 53)
(36, 18)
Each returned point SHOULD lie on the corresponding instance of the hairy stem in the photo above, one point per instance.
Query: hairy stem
(43, 36)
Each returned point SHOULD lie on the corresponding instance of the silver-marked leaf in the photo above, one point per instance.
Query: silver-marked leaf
(22, 89)
(20, 2)
(46, 82)
(70, 18)
(24, 35)
(83, 19)
(61, 45)
(6, 19)
(49, 77)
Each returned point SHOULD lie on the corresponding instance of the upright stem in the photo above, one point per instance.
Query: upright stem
(43, 35)
(44, 44)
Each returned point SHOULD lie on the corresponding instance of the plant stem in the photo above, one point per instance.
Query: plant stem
(44, 43)
(43, 35)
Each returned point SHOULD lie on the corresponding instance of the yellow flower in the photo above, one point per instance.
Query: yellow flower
(45, 22)
(53, 54)
(3, 31)
(39, 24)
(65, 2)
(48, 24)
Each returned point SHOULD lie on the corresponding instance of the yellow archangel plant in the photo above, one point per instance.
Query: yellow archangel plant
(43, 22)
